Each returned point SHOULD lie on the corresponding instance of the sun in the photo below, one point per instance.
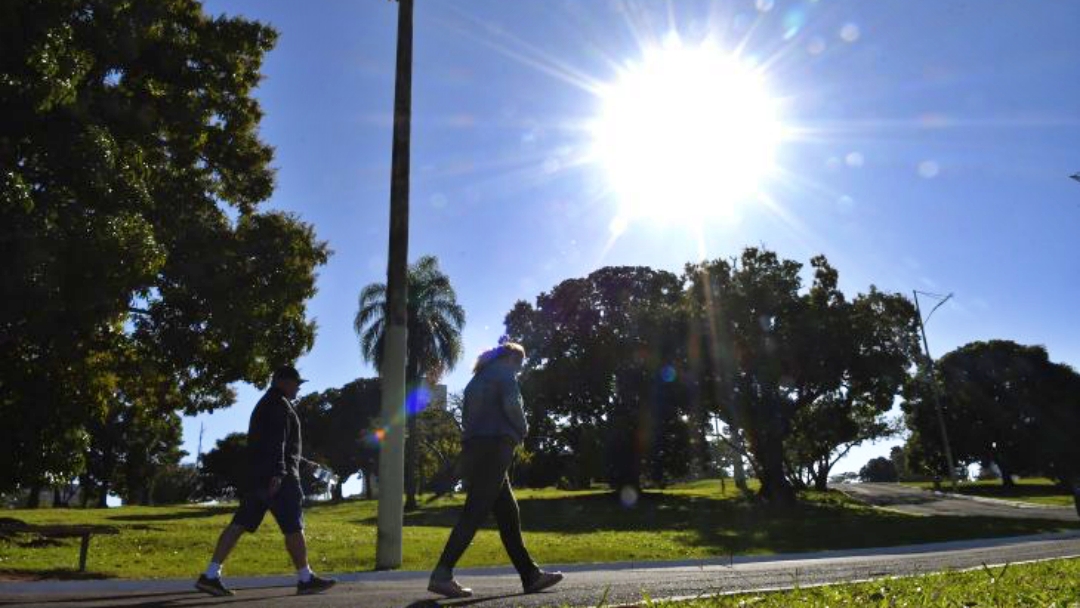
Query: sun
(686, 134)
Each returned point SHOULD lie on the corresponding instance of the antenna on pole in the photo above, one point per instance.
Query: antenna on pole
(198, 455)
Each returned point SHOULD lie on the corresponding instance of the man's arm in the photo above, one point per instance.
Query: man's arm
(271, 451)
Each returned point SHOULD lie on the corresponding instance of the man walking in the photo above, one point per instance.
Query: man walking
(273, 485)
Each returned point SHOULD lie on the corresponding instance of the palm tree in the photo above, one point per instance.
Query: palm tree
(434, 343)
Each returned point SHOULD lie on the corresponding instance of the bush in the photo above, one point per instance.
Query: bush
(879, 470)
(175, 484)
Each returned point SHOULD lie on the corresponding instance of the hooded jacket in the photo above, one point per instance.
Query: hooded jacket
(493, 406)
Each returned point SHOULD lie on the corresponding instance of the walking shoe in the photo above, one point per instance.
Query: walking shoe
(315, 585)
(543, 580)
(213, 586)
(449, 588)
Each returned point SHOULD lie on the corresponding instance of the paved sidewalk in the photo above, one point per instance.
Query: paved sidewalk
(586, 584)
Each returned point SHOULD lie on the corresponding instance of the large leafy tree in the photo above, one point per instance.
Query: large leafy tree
(747, 315)
(879, 470)
(339, 426)
(130, 178)
(869, 345)
(435, 322)
(225, 468)
(600, 381)
(439, 433)
(1004, 404)
(804, 374)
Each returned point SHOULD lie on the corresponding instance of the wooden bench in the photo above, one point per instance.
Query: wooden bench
(9, 526)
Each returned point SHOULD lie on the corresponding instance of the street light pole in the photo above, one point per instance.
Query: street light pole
(934, 388)
(392, 372)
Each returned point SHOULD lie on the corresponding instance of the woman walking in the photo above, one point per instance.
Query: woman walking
(493, 425)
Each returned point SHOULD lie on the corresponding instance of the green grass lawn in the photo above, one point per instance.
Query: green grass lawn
(687, 521)
(1036, 490)
(1047, 584)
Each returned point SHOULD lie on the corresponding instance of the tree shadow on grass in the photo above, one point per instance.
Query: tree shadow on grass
(1020, 490)
(175, 515)
(737, 526)
(856, 529)
(885, 500)
(593, 512)
(588, 513)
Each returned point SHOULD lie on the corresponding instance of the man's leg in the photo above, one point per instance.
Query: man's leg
(226, 542)
(296, 545)
(210, 581)
(247, 518)
(288, 510)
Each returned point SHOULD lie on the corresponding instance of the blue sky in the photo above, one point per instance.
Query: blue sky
(930, 147)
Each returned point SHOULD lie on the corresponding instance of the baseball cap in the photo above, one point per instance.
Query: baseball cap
(288, 372)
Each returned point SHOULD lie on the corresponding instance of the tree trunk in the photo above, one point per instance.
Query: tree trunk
(103, 495)
(738, 470)
(84, 490)
(821, 475)
(371, 487)
(410, 463)
(33, 501)
(1006, 476)
(108, 469)
(337, 494)
(769, 451)
(775, 488)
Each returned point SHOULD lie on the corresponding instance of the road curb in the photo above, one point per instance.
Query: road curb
(993, 501)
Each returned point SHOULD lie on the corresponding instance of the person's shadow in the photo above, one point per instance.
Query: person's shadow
(465, 601)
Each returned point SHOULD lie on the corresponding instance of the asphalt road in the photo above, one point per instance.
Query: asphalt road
(587, 585)
(922, 502)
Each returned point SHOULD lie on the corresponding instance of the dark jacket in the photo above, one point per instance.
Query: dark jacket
(493, 406)
(273, 439)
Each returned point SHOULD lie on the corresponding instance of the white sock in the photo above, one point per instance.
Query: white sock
(304, 574)
(213, 570)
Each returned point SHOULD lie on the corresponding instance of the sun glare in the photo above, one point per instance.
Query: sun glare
(686, 134)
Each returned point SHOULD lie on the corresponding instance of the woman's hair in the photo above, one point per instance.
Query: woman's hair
(502, 351)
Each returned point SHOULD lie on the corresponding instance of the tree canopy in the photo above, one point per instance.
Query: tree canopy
(627, 366)
(339, 427)
(1004, 404)
(131, 175)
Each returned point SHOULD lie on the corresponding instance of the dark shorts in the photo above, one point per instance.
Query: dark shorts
(286, 505)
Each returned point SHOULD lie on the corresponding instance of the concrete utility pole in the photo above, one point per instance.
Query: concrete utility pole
(392, 374)
(934, 387)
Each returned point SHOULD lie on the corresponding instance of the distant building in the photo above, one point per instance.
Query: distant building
(438, 397)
